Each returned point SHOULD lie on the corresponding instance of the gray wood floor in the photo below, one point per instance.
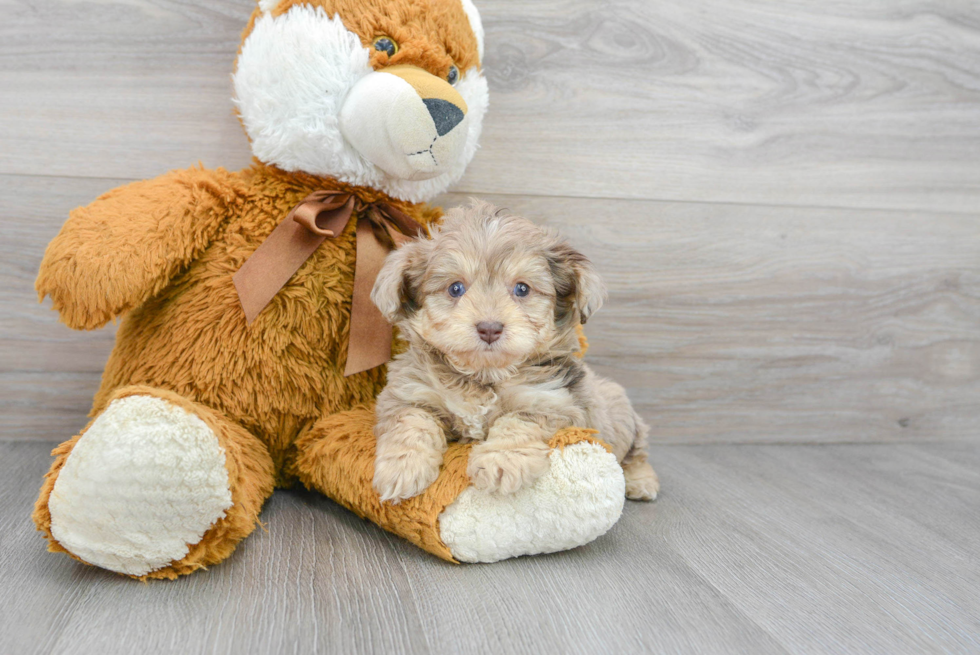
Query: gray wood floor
(751, 549)
(784, 198)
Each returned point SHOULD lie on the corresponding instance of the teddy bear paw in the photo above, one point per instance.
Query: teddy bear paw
(146, 480)
(578, 499)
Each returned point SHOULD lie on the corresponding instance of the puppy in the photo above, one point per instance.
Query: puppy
(489, 306)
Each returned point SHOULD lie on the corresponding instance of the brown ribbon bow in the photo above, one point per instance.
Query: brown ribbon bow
(321, 215)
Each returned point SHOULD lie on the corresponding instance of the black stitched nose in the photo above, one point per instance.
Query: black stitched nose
(489, 332)
(444, 114)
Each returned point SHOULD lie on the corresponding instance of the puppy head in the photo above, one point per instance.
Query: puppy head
(489, 290)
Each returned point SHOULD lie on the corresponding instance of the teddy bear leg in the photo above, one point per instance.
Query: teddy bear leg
(155, 486)
(579, 498)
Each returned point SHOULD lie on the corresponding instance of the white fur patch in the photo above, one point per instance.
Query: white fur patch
(144, 481)
(578, 500)
(293, 75)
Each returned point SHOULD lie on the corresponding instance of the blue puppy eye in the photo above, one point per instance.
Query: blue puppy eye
(453, 76)
(456, 289)
(521, 290)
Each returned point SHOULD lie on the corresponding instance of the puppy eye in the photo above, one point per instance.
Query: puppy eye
(453, 76)
(385, 44)
(521, 289)
(456, 289)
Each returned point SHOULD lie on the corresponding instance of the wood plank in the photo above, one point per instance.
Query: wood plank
(45, 405)
(725, 322)
(48, 373)
(32, 210)
(751, 548)
(832, 543)
(33, 609)
(816, 103)
(797, 103)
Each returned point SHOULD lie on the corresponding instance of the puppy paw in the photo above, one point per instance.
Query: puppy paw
(641, 481)
(505, 470)
(406, 474)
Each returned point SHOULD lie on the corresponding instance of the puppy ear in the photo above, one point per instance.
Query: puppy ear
(577, 283)
(590, 292)
(392, 293)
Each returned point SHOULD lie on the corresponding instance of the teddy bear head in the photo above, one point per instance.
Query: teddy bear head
(381, 93)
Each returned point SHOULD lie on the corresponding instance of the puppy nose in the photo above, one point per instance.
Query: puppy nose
(444, 114)
(489, 332)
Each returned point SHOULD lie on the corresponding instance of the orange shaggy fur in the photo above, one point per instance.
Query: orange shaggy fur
(165, 249)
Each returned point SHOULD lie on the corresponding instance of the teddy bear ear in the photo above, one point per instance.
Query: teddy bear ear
(476, 24)
(268, 6)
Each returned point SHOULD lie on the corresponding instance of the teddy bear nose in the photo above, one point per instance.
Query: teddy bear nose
(444, 114)
(489, 332)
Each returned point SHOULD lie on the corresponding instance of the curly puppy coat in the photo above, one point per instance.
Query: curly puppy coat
(489, 305)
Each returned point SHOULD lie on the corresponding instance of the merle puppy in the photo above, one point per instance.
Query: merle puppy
(489, 306)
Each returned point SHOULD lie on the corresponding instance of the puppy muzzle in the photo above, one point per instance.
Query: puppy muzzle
(405, 121)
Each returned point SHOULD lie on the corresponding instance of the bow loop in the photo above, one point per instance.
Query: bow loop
(324, 214)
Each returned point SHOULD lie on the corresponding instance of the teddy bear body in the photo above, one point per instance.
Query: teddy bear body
(272, 377)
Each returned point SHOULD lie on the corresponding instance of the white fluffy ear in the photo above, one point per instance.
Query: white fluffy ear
(391, 293)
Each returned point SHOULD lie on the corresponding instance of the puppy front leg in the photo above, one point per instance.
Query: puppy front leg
(411, 445)
(514, 455)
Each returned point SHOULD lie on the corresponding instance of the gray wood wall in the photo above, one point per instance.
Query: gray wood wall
(783, 196)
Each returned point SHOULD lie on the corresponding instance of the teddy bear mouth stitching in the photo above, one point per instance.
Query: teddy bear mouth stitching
(426, 150)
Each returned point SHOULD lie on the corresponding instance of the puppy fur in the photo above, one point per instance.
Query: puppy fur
(509, 395)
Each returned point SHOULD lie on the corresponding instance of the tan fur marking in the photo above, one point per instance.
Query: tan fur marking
(428, 86)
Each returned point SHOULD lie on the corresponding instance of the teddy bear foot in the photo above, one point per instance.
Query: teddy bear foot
(577, 500)
(142, 489)
(143, 482)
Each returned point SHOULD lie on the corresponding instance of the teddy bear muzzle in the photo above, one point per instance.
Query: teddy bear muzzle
(406, 121)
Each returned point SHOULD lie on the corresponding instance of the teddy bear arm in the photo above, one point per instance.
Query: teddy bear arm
(124, 248)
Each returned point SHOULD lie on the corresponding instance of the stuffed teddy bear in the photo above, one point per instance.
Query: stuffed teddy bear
(249, 353)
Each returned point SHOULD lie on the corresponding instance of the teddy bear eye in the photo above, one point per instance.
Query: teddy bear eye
(385, 44)
(456, 289)
(521, 289)
(453, 76)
